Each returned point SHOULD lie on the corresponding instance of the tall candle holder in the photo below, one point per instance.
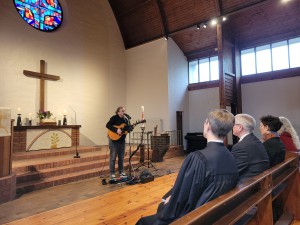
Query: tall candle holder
(19, 120)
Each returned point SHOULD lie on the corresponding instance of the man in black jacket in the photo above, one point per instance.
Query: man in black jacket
(117, 141)
(204, 175)
(249, 153)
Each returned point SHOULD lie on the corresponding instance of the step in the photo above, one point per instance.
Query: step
(62, 179)
(32, 165)
(57, 171)
(55, 152)
(49, 168)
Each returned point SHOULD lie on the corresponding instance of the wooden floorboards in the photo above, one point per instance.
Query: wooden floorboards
(124, 206)
(55, 197)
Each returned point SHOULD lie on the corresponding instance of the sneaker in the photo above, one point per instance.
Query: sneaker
(112, 177)
(123, 175)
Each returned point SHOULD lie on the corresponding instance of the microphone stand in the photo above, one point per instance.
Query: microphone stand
(129, 123)
(77, 153)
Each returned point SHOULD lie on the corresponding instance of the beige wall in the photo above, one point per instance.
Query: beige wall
(87, 52)
(275, 97)
(147, 83)
(177, 86)
(201, 102)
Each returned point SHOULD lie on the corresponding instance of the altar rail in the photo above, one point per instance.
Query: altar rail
(175, 137)
(279, 182)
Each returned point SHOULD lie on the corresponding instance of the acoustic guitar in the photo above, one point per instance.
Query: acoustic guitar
(125, 130)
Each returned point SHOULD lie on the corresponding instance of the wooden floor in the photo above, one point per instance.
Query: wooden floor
(111, 208)
(55, 197)
(89, 202)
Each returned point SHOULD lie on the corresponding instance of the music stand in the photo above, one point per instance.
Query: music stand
(147, 163)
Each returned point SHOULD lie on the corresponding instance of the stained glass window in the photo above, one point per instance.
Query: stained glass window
(45, 15)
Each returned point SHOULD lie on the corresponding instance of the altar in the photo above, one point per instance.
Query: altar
(31, 138)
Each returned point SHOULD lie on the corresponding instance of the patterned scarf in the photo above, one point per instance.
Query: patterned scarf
(269, 135)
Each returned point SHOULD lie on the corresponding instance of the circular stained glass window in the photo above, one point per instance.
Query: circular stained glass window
(45, 15)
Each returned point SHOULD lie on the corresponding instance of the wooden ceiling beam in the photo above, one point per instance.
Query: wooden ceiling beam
(163, 17)
(219, 5)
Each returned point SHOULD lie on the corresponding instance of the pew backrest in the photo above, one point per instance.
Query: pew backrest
(259, 192)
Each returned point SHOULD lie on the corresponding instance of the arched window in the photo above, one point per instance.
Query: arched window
(45, 15)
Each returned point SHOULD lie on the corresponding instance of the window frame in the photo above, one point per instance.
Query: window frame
(256, 74)
(206, 84)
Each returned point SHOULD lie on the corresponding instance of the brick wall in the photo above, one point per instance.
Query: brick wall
(19, 144)
(7, 188)
(75, 136)
(160, 145)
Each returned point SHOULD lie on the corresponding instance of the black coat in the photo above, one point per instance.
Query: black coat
(275, 150)
(251, 157)
(204, 175)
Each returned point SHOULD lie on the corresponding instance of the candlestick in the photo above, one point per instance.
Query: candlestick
(19, 120)
(65, 120)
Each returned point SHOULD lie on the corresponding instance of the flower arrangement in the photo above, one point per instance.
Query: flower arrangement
(44, 114)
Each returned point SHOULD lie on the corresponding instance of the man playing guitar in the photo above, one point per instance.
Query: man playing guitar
(117, 145)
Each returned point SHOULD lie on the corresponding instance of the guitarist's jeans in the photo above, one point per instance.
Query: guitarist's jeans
(116, 149)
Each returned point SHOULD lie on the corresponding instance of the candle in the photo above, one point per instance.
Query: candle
(143, 110)
(19, 110)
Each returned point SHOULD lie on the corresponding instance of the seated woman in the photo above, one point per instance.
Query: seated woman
(268, 127)
(288, 135)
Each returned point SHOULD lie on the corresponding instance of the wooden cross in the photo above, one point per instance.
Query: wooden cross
(42, 76)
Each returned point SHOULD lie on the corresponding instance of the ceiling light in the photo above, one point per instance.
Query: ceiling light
(204, 25)
(224, 18)
(198, 27)
(213, 22)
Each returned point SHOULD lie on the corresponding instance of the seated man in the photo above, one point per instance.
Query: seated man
(249, 153)
(204, 175)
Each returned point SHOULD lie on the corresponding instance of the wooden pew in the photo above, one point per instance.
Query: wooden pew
(281, 181)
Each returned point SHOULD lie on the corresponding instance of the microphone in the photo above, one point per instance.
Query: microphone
(128, 117)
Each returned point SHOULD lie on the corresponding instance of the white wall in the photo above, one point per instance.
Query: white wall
(201, 102)
(147, 83)
(177, 86)
(274, 97)
(87, 53)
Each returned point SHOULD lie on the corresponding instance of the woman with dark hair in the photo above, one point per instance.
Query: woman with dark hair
(269, 125)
